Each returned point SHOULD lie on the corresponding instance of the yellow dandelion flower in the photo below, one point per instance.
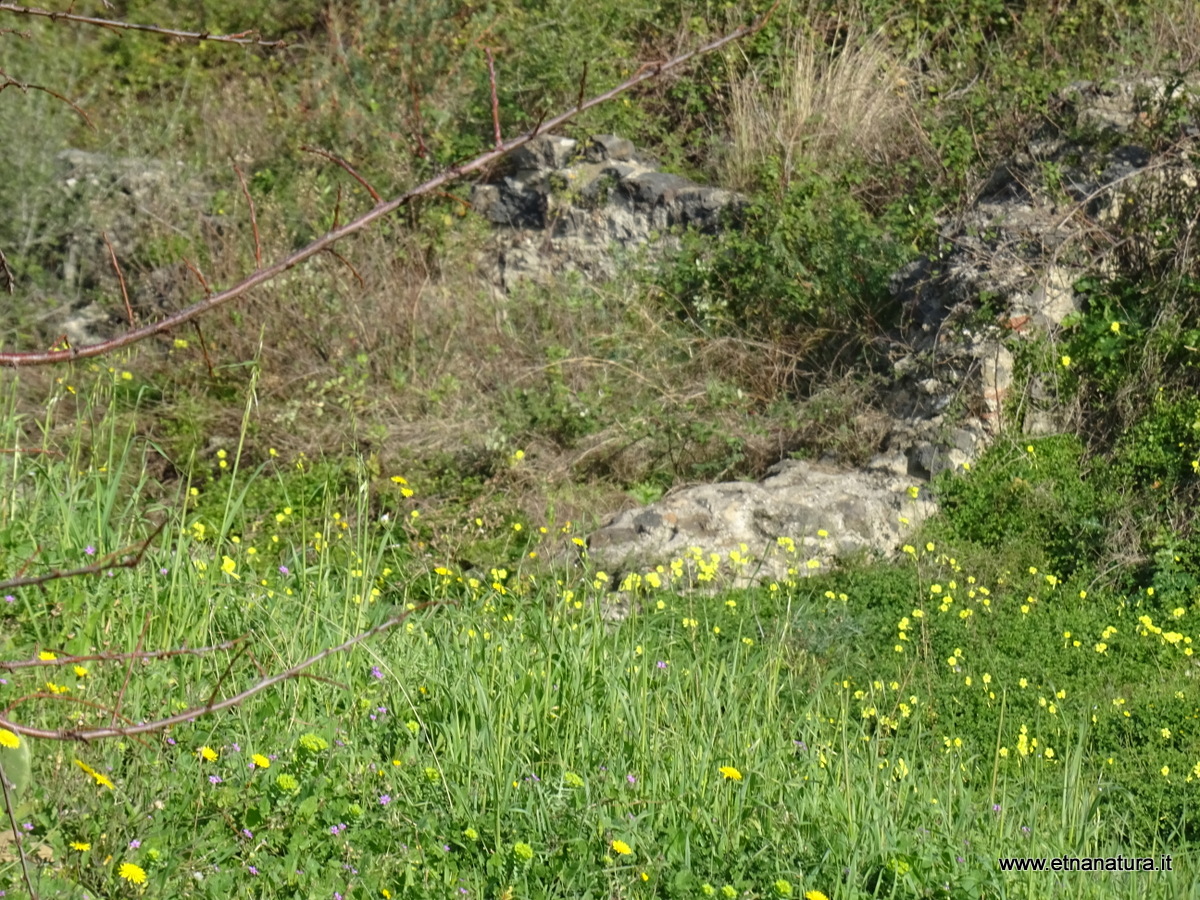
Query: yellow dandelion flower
(131, 872)
(81, 846)
(208, 753)
(621, 848)
(730, 773)
(8, 739)
(261, 761)
(815, 895)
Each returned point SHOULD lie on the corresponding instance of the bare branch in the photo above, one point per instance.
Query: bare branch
(12, 665)
(253, 218)
(349, 168)
(242, 37)
(25, 87)
(92, 734)
(139, 550)
(7, 279)
(495, 101)
(17, 836)
(121, 278)
(261, 276)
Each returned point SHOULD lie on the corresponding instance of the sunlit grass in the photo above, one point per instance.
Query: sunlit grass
(879, 731)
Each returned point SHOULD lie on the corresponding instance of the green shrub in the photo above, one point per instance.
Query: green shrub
(1034, 496)
(812, 258)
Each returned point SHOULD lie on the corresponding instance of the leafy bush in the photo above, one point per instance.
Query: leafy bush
(812, 258)
(1034, 496)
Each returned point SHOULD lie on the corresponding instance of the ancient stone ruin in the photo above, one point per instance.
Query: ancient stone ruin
(563, 207)
(1005, 273)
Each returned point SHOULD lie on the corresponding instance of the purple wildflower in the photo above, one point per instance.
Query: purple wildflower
(89, 550)
(375, 672)
(384, 799)
(214, 779)
(134, 844)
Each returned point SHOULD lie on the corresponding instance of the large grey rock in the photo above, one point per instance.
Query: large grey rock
(591, 209)
(859, 513)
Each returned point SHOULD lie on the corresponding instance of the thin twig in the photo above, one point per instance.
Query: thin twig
(8, 281)
(582, 85)
(92, 734)
(455, 172)
(212, 376)
(12, 821)
(25, 86)
(12, 665)
(199, 277)
(422, 150)
(362, 284)
(333, 157)
(495, 99)
(120, 277)
(253, 218)
(116, 710)
(242, 37)
(97, 569)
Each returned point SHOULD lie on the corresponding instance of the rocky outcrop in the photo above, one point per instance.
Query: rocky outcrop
(1111, 187)
(563, 207)
(134, 203)
(799, 519)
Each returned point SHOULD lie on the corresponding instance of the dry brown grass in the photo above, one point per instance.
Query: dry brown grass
(851, 98)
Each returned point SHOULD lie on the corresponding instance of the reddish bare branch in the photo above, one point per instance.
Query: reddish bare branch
(362, 284)
(253, 218)
(12, 665)
(25, 87)
(212, 376)
(242, 37)
(199, 276)
(92, 734)
(582, 85)
(138, 551)
(422, 151)
(17, 836)
(116, 710)
(495, 101)
(120, 277)
(7, 280)
(368, 218)
(333, 157)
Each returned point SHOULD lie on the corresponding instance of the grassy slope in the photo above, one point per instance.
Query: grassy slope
(532, 722)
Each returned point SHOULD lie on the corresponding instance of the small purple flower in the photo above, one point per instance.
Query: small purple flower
(283, 570)
(214, 779)
(28, 826)
(384, 799)
(89, 550)
(960, 859)
(171, 741)
(248, 833)
(631, 778)
(661, 664)
(134, 844)
(996, 807)
(800, 745)
(163, 571)
(252, 870)
(446, 848)
(1025, 828)
(237, 748)
(9, 598)
(376, 673)
(110, 574)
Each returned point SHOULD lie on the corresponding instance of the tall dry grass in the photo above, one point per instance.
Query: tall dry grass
(830, 99)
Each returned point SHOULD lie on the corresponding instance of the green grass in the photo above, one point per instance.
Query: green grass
(506, 736)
